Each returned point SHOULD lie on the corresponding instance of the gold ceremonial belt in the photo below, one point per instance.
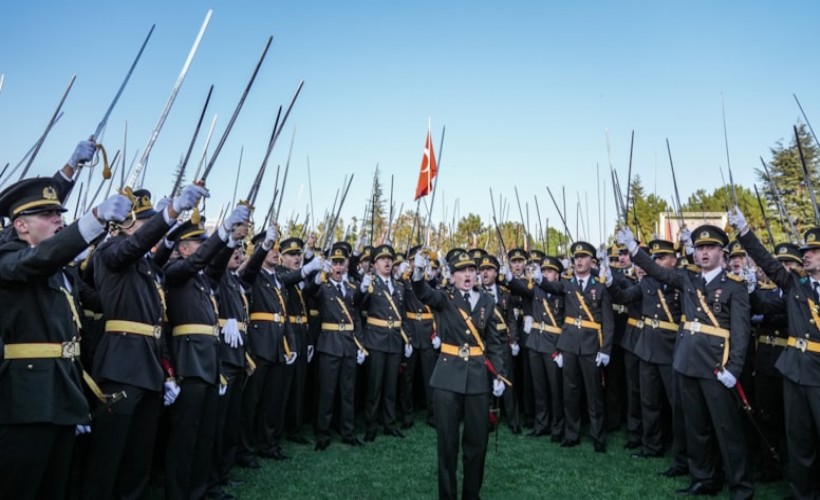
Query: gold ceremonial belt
(337, 327)
(298, 320)
(544, 327)
(276, 318)
(464, 352)
(582, 323)
(89, 314)
(64, 350)
(620, 309)
(391, 323)
(419, 316)
(314, 312)
(772, 341)
(122, 326)
(802, 344)
(635, 322)
(195, 329)
(697, 327)
(243, 327)
(660, 325)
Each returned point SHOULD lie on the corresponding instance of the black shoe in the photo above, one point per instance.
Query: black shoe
(275, 453)
(370, 436)
(248, 462)
(675, 471)
(393, 432)
(556, 438)
(644, 454)
(406, 425)
(322, 444)
(353, 441)
(698, 488)
(233, 483)
(298, 439)
(600, 447)
(631, 445)
(569, 443)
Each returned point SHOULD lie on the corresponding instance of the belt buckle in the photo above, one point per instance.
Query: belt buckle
(390, 323)
(577, 322)
(639, 323)
(69, 350)
(341, 327)
(298, 320)
(464, 352)
(694, 327)
(801, 344)
(216, 331)
(655, 323)
(418, 316)
(276, 318)
(542, 326)
(157, 333)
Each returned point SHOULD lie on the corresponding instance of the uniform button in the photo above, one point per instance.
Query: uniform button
(30, 367)
(698, 309)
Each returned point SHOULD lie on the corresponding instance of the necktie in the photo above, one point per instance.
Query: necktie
(467, 300)
(341, 290)
(815, 285)
(581, 285)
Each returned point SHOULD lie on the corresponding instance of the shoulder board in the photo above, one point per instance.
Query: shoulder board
(767, 286)
(692, 268)
(601, 280)
(567, 276)
(503, 289)
(735, 277)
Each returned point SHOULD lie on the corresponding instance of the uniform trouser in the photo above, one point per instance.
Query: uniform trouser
(251, 413)
(427, 359)
(35, 460)
(382, 379)
(526, 404)
(549, 393)
(769, 396)
(656, 381)
(679, 444)
(274, 403)
(633, 397)
(711, 410)
(802, 411)
(121, 448)
(336, 372)
(581, 370)
(512, 410)
(226, 437)
(451, 408)
(406, 379)
(296, 398)
(191, 441)
(614, 390)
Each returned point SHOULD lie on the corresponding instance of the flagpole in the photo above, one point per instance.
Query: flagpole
(433, 196)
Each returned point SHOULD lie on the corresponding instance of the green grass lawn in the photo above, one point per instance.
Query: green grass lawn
(522, 467)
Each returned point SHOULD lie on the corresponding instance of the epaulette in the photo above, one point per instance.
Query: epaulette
(601, 280)
(692, 268)
(766, 286)
(503, 289)
(735, 277)
(567, 275)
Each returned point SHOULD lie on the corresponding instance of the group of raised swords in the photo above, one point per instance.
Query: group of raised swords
(136, 344)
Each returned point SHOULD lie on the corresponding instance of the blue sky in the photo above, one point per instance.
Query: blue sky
(525, 89)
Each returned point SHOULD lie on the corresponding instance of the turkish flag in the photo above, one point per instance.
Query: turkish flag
(428, 169)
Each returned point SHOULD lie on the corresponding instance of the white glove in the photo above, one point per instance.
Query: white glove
(420, 264)
(231, 333)
(601, 359)
(82, 429)
(240, 215)
(359, 357)
(223, 389)
(326, 267)
(408, 350)
(751, 281)
(498, 388)
(116, 208)
(403, 267)
(737, 220)
(527, 324)
(189, 198)
(505, 271)
(686, 238)
(559, 360)
(436, 342)
(601, 255)
(310, 352)
(314, 265)
(271, 235)
(607, 273)
(624, 237)
(162, 204)
(83, 153)
(172, 390)
(537, 276)
(366, 280)
(726, 378)
(515, 348)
